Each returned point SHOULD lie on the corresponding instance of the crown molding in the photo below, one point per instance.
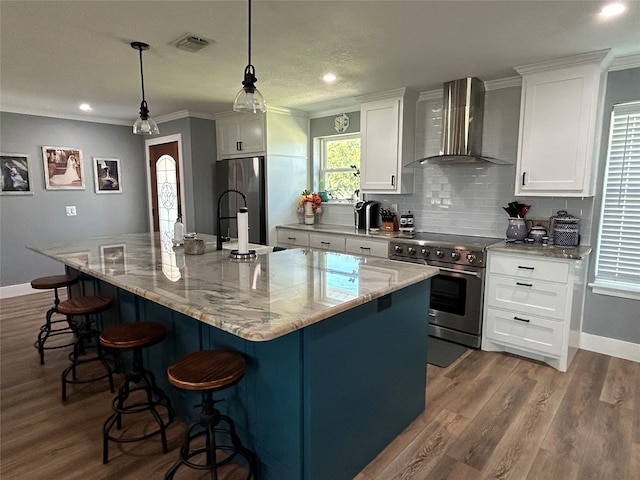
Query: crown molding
(624, 63)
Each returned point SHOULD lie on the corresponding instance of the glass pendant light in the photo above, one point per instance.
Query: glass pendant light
(249, 98)
(145, 125)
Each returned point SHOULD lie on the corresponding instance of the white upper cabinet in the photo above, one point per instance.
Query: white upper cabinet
(387, 126)
(560, 122)
(240, 134)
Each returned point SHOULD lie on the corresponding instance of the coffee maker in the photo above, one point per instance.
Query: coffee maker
(367, 215)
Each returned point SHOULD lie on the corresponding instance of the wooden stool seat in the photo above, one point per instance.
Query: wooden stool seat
(53, 281)
(207, 370)
(133, 335)
(85, 305)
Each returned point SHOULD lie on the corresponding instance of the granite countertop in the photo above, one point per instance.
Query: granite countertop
(550, 251)
(262, 299)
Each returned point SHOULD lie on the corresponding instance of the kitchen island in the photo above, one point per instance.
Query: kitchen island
(336, 344)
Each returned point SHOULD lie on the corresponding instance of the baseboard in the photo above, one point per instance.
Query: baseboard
(610, 346)
(17, 290)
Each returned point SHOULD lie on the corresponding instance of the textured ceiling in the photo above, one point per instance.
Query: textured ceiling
(56, 54)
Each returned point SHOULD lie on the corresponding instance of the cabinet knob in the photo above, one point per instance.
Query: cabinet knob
(239, 146)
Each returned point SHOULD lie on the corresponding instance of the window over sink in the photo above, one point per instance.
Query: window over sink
(339, 169)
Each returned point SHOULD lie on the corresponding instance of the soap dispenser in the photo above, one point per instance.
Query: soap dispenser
(178, 232)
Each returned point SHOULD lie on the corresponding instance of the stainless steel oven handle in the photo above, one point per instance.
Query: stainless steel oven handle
(464, 272)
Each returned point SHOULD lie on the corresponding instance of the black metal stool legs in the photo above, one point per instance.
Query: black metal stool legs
(49, 329)
(137, 380)
(210, 426)
(87, 337)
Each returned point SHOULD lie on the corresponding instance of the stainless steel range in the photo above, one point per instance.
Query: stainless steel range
(456, 292)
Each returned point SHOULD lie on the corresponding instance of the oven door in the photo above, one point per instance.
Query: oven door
(456, 304)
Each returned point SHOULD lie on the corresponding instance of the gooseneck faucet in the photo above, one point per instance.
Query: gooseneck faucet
(218, 217)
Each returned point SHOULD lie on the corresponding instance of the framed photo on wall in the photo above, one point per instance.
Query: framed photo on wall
(63, 169)
(15, 174)
(106, 173)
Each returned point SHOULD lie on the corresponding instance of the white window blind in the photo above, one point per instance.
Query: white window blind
(617, 264)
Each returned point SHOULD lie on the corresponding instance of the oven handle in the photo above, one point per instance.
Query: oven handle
(464, 272)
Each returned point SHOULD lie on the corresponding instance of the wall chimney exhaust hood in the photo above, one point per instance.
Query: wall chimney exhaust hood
(462, 113)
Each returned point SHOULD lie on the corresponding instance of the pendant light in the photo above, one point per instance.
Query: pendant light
(249, 98)
(145, 125)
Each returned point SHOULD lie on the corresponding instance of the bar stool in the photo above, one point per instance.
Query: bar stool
(208, 371)
(86, 337)
(51, 327)
(136, 336)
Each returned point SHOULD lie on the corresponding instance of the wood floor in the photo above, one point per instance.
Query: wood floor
(489, 416)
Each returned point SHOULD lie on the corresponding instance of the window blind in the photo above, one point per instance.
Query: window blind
(618, 252)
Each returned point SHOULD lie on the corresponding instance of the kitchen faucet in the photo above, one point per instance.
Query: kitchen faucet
(218, 217)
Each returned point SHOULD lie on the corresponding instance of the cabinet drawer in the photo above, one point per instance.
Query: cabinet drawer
(525, 295)
(293, 237)
(524, 331)
(530, 267)
(334, 243)
(359, 246)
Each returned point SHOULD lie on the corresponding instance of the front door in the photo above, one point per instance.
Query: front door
(164, 169)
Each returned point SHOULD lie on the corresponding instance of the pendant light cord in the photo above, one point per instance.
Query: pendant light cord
(141, 75)
(249, 36)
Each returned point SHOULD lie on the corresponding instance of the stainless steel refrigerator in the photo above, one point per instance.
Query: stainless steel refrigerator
(246, 175)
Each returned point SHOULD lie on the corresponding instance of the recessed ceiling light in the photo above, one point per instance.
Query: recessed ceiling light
(612, 9)
(329, 78)
(85, 107)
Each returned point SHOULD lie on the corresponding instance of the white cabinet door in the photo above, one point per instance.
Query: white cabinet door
(290, 237)
(379, 125)
(335, 243)
(360, 246)
(387, 130)
(240, 134)
(560, 113)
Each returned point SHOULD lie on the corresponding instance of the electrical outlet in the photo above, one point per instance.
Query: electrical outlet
(70, 210)
(394, 207)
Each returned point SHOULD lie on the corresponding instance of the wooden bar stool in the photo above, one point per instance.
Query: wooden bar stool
(51, 328)
(87, 337)
(136, 336)
(208, 371)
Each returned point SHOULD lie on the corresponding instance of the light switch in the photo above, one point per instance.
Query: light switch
(71, 210)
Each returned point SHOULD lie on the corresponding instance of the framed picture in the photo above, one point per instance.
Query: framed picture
(112, 259)
(16, 174)
(63, 169)
(106, 173)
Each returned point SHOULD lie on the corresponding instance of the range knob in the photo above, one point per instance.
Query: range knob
(455, 255)
(471, 257)
(397, 248)
(425, 252)
(439, 253)
(412, 251)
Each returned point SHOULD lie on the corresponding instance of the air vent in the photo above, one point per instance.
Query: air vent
(190, 43)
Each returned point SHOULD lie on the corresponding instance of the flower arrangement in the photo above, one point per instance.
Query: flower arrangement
(308, 197)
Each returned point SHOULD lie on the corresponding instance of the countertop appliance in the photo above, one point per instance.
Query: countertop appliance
(457, 292)
(367, 215)
(245, 175)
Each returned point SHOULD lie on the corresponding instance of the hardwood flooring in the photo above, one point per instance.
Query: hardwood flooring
(489, 416)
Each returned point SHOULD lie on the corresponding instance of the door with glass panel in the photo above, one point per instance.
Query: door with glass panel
(164, 170)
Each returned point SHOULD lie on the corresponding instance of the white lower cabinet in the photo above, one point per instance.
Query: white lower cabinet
(292, 238)
(325, 241)
(533, 306)
(366, 246)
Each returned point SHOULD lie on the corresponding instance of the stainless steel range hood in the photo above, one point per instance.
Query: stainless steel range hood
(462, 112)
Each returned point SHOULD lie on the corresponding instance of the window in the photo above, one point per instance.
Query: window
(617, 266)
(340, 165)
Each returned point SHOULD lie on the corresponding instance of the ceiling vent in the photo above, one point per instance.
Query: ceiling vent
(190, 43)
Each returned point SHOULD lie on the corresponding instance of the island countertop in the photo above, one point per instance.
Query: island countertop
(258, 300)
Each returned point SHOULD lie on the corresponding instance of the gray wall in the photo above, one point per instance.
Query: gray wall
(39, 218)
(607, 316)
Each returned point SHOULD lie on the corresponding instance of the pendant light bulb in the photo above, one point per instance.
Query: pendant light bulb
(144, 125)
(249, 98)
